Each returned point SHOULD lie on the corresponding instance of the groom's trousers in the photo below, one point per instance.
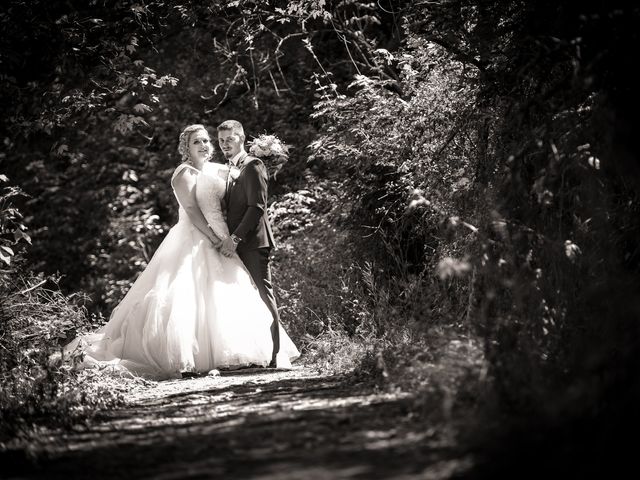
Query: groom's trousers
(257, 262)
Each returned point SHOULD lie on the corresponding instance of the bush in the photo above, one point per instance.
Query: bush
(35, 322)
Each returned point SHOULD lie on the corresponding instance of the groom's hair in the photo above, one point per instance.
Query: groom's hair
(233, 125)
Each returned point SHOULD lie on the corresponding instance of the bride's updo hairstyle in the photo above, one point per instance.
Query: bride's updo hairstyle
(183, 140)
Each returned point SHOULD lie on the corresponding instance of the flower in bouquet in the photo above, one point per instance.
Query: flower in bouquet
(271, 150)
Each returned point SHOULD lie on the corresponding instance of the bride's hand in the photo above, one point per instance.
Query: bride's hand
(219, 245)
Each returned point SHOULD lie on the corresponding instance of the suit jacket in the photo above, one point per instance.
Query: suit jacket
(247, 205)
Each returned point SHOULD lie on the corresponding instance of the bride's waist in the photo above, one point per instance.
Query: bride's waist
(218, 225)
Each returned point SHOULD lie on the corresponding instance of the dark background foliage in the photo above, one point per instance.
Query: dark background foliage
(460, 169)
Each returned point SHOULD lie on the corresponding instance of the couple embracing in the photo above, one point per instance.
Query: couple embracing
(205, 300)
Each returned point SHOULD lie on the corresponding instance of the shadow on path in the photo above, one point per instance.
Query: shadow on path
(286, 425)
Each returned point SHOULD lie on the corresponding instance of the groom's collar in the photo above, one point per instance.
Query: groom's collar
(237, 160)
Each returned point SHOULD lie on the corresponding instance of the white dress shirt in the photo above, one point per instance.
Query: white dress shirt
(236, 158)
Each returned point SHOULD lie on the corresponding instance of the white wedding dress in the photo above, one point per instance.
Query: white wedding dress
(191, 309)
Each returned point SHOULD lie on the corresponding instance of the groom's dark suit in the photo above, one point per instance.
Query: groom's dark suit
(247, 218)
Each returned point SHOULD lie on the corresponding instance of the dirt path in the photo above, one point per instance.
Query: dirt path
(264, 425)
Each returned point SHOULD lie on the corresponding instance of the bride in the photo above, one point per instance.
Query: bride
(192, 309)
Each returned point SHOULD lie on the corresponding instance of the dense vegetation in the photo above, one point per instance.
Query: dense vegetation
(463, 173)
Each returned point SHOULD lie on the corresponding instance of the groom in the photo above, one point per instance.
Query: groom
(251, 236)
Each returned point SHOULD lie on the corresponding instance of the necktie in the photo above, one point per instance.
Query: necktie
(231, 179)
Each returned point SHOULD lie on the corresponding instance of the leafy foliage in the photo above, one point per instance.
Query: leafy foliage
(35, 321)
(485, 165)
(471, 171)
(12, 228)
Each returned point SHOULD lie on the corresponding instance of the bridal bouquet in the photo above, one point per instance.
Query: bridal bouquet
(271, 150)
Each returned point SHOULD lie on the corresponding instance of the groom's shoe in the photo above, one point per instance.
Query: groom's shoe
(272, 363)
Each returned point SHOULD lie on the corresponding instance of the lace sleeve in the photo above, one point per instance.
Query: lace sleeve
(179, 169)
(189, 180)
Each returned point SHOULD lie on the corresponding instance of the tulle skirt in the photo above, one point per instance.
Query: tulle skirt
(191, 309)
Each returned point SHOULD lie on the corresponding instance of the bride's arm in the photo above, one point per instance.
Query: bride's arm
(184, 188)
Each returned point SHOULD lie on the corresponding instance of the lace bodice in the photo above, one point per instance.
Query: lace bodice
(210, 190)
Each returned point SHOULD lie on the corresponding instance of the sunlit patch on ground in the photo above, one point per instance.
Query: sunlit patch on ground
(288, 424)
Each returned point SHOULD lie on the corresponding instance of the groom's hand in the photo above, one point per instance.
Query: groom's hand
(228, 247)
